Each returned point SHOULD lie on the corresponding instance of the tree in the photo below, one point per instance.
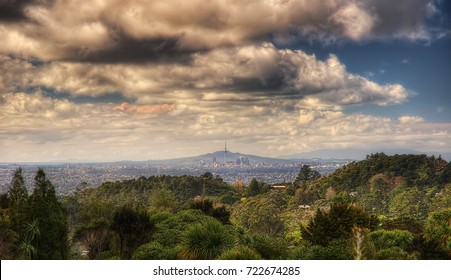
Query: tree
(8, 238)
(438, 227)
(208, 208)
(442, 199)
(338, 223)
(270, 247)
(17, 193)
(50, 218)
(92, 224)
(16, 211)
(255, 187)
(261, 214)
(164, 200)
(133, 228)
(306, 174)
(408, 203)
(384, 239)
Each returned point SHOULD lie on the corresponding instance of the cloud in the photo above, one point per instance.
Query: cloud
(410, 119)
(151, 31)
(250, 73)
(36, 126)
(14, 10)
(195, 72)
(144, 109)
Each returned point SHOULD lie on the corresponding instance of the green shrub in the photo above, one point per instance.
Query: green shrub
(155, 251)
(206, 240)
(240, 253)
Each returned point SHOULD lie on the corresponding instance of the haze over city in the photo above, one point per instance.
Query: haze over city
(145, 80)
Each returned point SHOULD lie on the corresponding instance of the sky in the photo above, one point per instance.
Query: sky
(116, 80)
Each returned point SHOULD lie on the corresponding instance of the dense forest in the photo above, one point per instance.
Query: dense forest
(383, 207)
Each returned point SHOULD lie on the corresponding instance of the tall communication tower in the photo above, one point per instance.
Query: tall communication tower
(225, 152)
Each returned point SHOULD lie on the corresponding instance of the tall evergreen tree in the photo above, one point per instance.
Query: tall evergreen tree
(51, 219)
(306, 174)
(17, 192)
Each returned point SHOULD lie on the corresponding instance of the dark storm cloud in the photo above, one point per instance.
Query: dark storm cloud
(124, 49)
(395, 17)
(14, 10)
(159, 31)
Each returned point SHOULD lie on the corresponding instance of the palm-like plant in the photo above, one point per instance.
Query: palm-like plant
(27, 248)
(206, 240)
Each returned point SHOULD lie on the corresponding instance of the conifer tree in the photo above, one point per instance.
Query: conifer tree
(17, 192)
(51, 219)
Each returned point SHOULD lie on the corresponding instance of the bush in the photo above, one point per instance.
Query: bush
(240, 253)
(394, 253)
(169, 231)
(269, 247)
(155, 251)
(336, 250)
(385, 239)
(207, 240)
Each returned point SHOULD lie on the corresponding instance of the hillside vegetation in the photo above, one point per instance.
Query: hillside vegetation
(384, 207)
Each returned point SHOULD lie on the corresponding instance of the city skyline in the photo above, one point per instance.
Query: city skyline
(147, 80)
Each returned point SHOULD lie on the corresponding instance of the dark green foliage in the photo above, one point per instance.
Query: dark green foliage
(133, 228)
(385, 239)
(392, 244)
(403, 223)
(337, 223)
(255, 187)
(156, 251)
(240, 253)
(338, 249)
(206, 206)
(91, 219)
(17, 193)
(418, 170)
(305, 175)
(8, 238)
(169, 231)
(261, 214)
(399, 185)
(146, 218)
(430, 249)
(207, 240)
(185, 188)
(438, 227)
(306, 196)
(394, 253)
(46, 215)
(164, 200)
(270, 248)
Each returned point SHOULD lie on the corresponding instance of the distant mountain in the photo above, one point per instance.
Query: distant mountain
(219, 155)
(357, 154)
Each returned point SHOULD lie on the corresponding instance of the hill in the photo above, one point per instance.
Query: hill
(390, 185)
(359, 154)
(219, 156)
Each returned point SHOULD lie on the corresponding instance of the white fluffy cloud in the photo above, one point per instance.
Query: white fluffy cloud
(250, 73)
(410, 119)
(36, 126)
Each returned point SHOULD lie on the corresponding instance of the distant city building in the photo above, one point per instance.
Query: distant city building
(225, 152)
